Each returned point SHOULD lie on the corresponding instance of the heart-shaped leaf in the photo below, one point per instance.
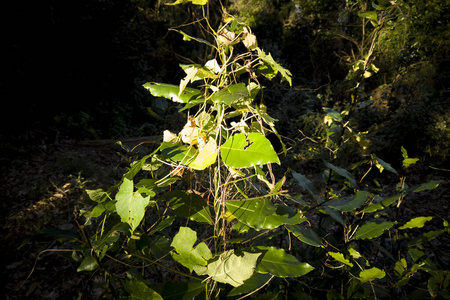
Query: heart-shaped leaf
(171, 92)
(246, 150)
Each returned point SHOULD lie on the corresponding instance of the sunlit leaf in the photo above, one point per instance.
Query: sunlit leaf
(186, 254)
(268, 60)
(230, 94)
(172, 92)
(340, 258)
(371, 274)
(278, 263)
(262, 213)
(372, 230)
(418, 222)
(206, 156)
(371, 15)
(131, 205)
(246, 150)
(231, 268)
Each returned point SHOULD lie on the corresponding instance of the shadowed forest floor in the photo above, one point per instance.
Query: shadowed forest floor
(43, 186)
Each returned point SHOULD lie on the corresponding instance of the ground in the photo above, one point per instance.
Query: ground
(42, 186)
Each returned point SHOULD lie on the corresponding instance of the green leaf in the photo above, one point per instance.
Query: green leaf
(371, 274)
(306, 235)
(231, 268)
(383, 203)
(189, 205)
(196, 2)
(251, 284)
(247, 150)
(182, 290)
(139, 290)
(343, 173)
(381, 165)
(336, 116)
(430, 185)
(407, 161)
(88, 264)
(130, 206)
(340, 258)
(268, 60)
(177, 152)
(418, 222)
(372, 230)
(371, 15)
(98, 195)
(349, 203)
(230, 94)
(278, 263)
(262, 213)
(187, 255)
(307, 185)
(170, 91)
(206, 156)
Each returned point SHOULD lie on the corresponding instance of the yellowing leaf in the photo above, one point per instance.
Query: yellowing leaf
(190, 74)
(168, 136)
(226, 37)
(206, 157)
(250, 41)
(190, 133)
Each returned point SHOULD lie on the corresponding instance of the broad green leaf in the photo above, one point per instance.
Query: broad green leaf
(177, 152)
(171, 92)
(418, 222)
(231, 268)
(349, 203)
(268, 59)
(381, 165)
(307, 185)
(182, 290)
(251, 284)
(340, 258)
(372, 230)
(335, 214)
(430, 185)
(278, 263)
(230, 94)
(262, 213)
(130, 206)
(425, 237)
(371, 274)
(383, 203)
(343, 173)
(371, 15)
(88, 264)
(306, 235)
(206, 156)
(98, 195)
(188, 255)
(247, 150)
(189, 205)
(139, 290)
(336, 116)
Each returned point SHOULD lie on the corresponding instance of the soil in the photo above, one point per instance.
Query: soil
(42, 186)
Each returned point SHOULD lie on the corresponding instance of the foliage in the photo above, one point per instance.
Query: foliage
(206, 204)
